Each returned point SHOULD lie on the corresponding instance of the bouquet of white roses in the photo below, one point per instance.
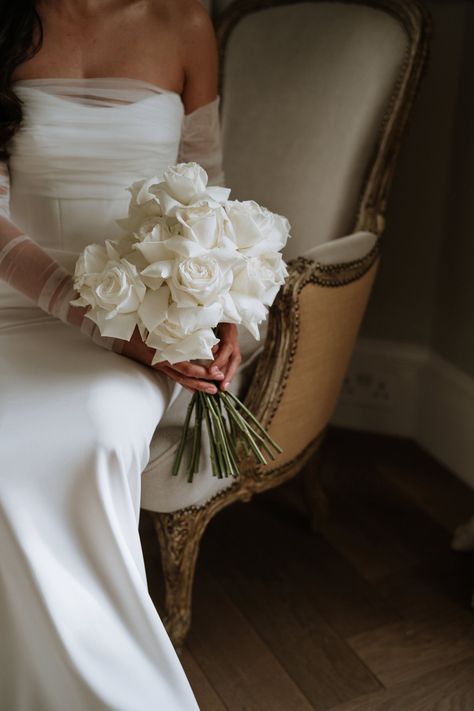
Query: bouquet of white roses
(190, 259)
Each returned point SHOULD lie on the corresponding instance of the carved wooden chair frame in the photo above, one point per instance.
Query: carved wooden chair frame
(179, 533)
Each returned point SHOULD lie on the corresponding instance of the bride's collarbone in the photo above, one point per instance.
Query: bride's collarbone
(98, 51)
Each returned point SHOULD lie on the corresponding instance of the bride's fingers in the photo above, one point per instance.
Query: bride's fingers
(193, 370)
(191, 383)
(234, 362)
(222, 356)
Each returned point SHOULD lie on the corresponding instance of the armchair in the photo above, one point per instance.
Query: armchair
(315, 100)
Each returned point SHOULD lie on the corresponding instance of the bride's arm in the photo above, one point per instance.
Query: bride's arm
(201, 140)
(32, 272)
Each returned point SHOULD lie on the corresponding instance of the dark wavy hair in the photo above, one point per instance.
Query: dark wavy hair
(21, 36)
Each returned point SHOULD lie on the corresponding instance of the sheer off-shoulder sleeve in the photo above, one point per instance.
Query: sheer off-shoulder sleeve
(28, 268)
(201, 140)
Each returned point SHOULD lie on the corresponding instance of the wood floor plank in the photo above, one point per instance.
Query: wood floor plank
(239, 665)
(448, 689)
(273, 588)
(207, 698)
(434, 588)
(425, 480)
(348, 602)
(434, 489)
(361, 535)
(378, 528)
(404, 651)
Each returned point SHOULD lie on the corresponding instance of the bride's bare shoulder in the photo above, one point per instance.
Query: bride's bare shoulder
(195, 43)
(188, 17)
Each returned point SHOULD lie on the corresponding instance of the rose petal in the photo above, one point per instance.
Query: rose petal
(122, 326)
(153, 309)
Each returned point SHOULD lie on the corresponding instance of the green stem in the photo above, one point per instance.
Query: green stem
(252, 417)
(216, 438)
(248, 436)
(194, 463)
(254, 433)
(184, 436)
(211, 437)
(219, 425)
(229, 432)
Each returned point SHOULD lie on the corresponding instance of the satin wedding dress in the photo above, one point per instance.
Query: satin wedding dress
(79, 629)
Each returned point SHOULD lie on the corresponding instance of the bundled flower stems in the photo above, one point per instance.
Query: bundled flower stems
(229, 423)
(190, 259)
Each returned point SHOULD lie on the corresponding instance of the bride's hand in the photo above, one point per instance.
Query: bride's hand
(227, 356)
(189, 375)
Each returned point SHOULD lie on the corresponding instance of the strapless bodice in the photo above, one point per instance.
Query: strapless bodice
(80, 145)
(66, 148)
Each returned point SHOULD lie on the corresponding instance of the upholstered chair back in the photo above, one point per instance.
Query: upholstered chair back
(305, 88)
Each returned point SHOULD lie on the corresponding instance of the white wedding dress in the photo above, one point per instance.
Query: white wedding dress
(79, 631)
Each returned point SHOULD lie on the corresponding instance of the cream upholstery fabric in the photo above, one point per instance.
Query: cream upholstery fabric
(306, 86)
(344, 249)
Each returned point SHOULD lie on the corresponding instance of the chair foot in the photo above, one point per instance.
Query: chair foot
(179, 536)
(177, 626)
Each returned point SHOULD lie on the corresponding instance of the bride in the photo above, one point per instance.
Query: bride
(94, 94)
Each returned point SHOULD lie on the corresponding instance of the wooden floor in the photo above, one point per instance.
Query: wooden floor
(370, 614)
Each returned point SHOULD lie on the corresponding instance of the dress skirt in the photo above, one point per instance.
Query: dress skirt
(79, 629)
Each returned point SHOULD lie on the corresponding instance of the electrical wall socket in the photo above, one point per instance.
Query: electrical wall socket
(368, 388)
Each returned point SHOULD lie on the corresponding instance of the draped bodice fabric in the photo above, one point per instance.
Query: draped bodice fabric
(80, 145)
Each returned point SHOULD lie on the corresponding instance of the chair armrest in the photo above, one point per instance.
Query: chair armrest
(312, 328)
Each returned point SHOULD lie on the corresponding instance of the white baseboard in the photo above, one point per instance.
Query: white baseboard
(409, 391)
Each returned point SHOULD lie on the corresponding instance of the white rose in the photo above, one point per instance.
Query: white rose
(198, 280)
(203, 223)
(186, 333)
(185, 181)
(150, 237)
(153, 310)
(182, 321)
(260, 277)
(195, 346)
(185, 184)
(144, 202)
(112, 287)
(154, 227)
(255, 229)
(251, 311)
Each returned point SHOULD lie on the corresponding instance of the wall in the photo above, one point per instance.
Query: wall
(453, 328)
(423, 288)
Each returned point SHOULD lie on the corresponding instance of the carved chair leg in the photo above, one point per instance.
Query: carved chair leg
(179, 537)
(316, 500)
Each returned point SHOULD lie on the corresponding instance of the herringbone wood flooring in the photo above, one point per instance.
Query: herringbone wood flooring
(370, 614)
